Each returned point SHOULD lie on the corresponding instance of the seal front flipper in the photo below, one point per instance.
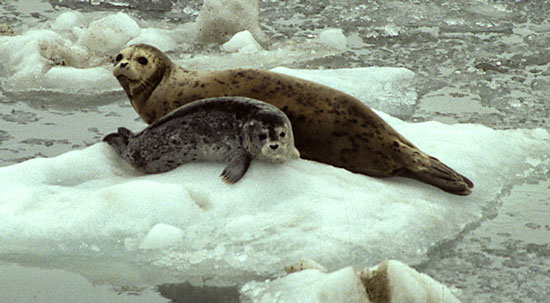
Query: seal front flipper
(119, 140)
(236, 169)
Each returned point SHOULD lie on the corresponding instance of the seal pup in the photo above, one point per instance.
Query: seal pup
(228, 129)
(329, 126)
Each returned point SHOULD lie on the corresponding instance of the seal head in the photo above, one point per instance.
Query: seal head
(139, 70)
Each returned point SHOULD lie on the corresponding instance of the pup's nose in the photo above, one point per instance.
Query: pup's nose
(123, 64)
(274, 146)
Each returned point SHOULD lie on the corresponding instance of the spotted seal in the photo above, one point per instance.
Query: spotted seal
(229, 129)
(329, 126)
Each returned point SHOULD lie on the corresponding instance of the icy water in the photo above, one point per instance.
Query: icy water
(480, 62)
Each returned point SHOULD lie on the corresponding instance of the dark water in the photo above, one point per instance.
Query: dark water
(483, 62)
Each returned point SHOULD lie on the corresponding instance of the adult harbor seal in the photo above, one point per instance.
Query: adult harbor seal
(329, 126)
(229, 129)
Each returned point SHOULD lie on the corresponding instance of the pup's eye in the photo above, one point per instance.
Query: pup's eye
(142, 60)
(118, 57)
(262, 137)
(282, 134)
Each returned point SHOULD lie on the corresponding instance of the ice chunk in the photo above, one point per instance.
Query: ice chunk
(76, 80)
(29, 56)
(333, 37)
(45, 60)
(109, 34)
(383, 88)
(68, 20)
(400, 283)
(219, 20)
(308, 286)
(391, 30)
(159, 38)
(242, 42)
(390, 281)
(162, 236)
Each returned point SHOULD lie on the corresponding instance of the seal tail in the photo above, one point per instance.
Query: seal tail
(440, 175)
(119, 140)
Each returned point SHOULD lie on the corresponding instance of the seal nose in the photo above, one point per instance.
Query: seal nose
(123, 64)
(274, 146)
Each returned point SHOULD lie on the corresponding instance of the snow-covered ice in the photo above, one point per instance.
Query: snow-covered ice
(309, 286)
(390, 281)
(277, 214)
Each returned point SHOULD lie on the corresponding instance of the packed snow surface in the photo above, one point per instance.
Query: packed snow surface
(90, 201)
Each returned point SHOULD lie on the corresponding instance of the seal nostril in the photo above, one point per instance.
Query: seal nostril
(123, 64)
(274, 146)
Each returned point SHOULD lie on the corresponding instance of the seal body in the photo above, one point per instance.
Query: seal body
(228, 129)
(329, 126)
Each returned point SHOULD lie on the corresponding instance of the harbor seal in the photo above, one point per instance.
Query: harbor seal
(329, 126)
(229, 129)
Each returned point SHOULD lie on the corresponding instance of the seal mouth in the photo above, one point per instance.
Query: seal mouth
(124, 80)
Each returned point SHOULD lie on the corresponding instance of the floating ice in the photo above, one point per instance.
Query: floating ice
(390, 281)
(404, 284)
(277, 214)
(219, 20)
(308, 286)
(109, 34)
(68, 21)
(391, 30)
(333, 37)
(242, 42)
(383, 88)
(66, 60)
(29, 58)
(159, 38)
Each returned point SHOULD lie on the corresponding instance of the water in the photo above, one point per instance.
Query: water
(477, 62)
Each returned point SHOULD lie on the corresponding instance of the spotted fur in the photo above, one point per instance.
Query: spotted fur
(330, 126)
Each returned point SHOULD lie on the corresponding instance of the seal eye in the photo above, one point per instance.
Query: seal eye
(142, 60)
(262, 137)
(118, 57)
(282, 134)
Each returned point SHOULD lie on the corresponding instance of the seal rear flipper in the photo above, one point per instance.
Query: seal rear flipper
(236, 169)
(440, 175)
